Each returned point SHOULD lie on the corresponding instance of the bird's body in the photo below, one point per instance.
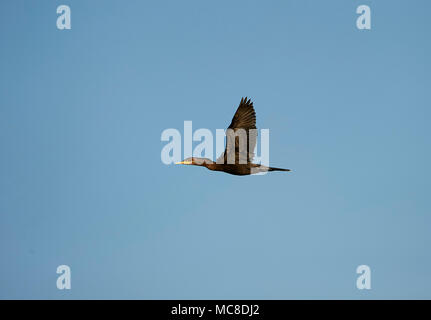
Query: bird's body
(236, 159)
(236, 169)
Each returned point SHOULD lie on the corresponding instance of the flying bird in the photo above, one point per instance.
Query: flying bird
(235, 160)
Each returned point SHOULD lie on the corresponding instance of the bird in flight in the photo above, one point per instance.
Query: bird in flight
(240, 144)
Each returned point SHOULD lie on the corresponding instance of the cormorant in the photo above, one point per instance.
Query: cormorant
(244, 118)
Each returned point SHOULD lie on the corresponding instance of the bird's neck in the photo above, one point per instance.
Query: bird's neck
(204, 162)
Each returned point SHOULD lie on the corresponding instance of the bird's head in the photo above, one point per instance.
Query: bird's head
(195, 161)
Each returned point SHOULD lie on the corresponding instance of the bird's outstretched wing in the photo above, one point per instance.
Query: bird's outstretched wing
(244, 118)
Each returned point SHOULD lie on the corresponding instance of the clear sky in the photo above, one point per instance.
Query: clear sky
(82, 183)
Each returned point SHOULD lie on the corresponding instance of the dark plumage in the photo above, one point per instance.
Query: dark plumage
(234, 159)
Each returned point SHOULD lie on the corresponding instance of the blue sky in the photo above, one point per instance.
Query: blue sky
(82, 183)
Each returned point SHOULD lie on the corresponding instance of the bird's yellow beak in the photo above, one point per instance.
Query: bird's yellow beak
(183, 162)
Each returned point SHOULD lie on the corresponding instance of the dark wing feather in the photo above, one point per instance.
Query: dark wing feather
(244, 118)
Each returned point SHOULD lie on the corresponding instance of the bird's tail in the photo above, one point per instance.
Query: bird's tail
(277, 169)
